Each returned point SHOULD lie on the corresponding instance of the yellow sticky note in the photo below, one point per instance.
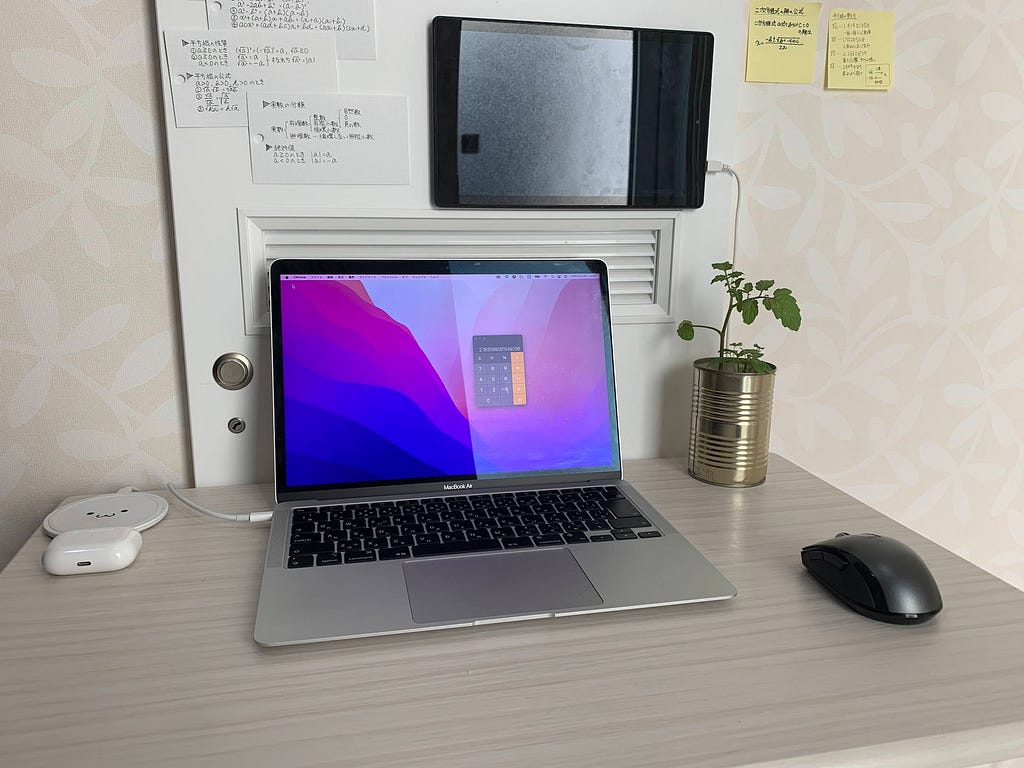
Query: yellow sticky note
(782, 39)
(860, 50)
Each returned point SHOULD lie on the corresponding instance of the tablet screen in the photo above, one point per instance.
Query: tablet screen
(531, 115)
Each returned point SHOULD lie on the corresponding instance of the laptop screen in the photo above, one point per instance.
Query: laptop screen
(390, 373)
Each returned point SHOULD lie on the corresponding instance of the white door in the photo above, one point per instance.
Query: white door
(224, 226)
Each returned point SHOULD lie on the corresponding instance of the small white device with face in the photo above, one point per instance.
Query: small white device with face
(113, 510)
(92, 550)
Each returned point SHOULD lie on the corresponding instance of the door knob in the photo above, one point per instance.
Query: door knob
(232, 370)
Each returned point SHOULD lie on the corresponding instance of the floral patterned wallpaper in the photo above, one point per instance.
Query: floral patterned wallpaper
(894, 217)
(89, 366)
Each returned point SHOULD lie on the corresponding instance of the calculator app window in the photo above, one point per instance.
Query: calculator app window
(499, 370)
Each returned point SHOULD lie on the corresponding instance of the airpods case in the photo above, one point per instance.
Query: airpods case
(93, 550)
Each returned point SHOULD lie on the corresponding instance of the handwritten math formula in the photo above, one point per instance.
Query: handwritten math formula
(212, 71)
(351, 21)
(329, 139)
(782, 40)
(860, 50)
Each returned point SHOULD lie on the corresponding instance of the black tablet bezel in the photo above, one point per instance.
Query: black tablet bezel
(445, 59)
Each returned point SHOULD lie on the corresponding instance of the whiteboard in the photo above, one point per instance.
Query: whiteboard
(211, 181)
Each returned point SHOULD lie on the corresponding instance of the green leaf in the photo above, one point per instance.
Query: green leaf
(723, 266)
(758, 366)
(748, 287)
(717, 279)
(764, 285)
(685, 330)
(748, 309)
(785, 308)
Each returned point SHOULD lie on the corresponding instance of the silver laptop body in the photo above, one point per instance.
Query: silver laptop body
(446, 452)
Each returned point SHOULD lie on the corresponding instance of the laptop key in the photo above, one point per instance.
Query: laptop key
(622, 508)
(428, 538)
(517, 542)
(575, 537)
(629, 522)
(649, 534)
(454, 547)
(328, 559)
(305, 538)
(394, 553)
(300, 561)
(300, 527)
(601, 537)
(548, 540)
(360, 556)
(312, 548)
(620, 535)
(402, 541)
(476, 535)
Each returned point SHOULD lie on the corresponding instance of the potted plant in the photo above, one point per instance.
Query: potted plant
(732, 393)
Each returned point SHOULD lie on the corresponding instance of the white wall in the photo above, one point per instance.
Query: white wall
(90, 372)
(895, 218)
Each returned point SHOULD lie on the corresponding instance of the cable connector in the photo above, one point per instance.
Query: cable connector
(253, 517)
(717, 166)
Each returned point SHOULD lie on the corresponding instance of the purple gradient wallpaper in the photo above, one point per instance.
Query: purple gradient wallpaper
(401, 377)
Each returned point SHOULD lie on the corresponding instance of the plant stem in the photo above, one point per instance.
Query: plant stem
(725, 326)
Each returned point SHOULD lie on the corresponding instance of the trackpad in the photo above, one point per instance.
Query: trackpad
(487, 586)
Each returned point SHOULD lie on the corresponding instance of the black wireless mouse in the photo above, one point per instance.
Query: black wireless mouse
(876, 576)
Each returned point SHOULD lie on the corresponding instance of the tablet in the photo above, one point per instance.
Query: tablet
(530, 114)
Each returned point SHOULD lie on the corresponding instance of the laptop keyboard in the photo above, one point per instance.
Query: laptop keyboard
(399, 530)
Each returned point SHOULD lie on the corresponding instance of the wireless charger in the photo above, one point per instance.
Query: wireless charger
(113, 510)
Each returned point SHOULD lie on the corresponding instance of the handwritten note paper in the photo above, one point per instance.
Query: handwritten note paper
(212, 71)
(329, 138)
(350, 20)
(782, 39)
(860, 50)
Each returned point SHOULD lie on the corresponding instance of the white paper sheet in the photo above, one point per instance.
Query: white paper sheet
(329, 138)
(352, 21)
(212, 71)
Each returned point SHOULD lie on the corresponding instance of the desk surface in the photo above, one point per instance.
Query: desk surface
(155, 665)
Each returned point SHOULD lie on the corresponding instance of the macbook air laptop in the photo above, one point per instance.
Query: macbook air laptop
(447, 454)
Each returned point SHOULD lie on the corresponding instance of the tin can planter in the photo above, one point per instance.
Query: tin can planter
(730, 423)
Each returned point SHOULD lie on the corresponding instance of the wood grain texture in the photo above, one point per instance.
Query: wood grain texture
(155, 665)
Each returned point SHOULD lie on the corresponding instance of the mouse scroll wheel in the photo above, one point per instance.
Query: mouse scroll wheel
(841, 533)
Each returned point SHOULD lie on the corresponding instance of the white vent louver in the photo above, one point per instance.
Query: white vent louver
(637, 251)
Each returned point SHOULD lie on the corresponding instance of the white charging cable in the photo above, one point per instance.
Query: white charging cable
(716, 166)
(254, 517)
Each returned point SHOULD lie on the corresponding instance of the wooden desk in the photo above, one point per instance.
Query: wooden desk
(156, 666)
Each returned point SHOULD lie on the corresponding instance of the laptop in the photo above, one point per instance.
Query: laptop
(447, 453)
